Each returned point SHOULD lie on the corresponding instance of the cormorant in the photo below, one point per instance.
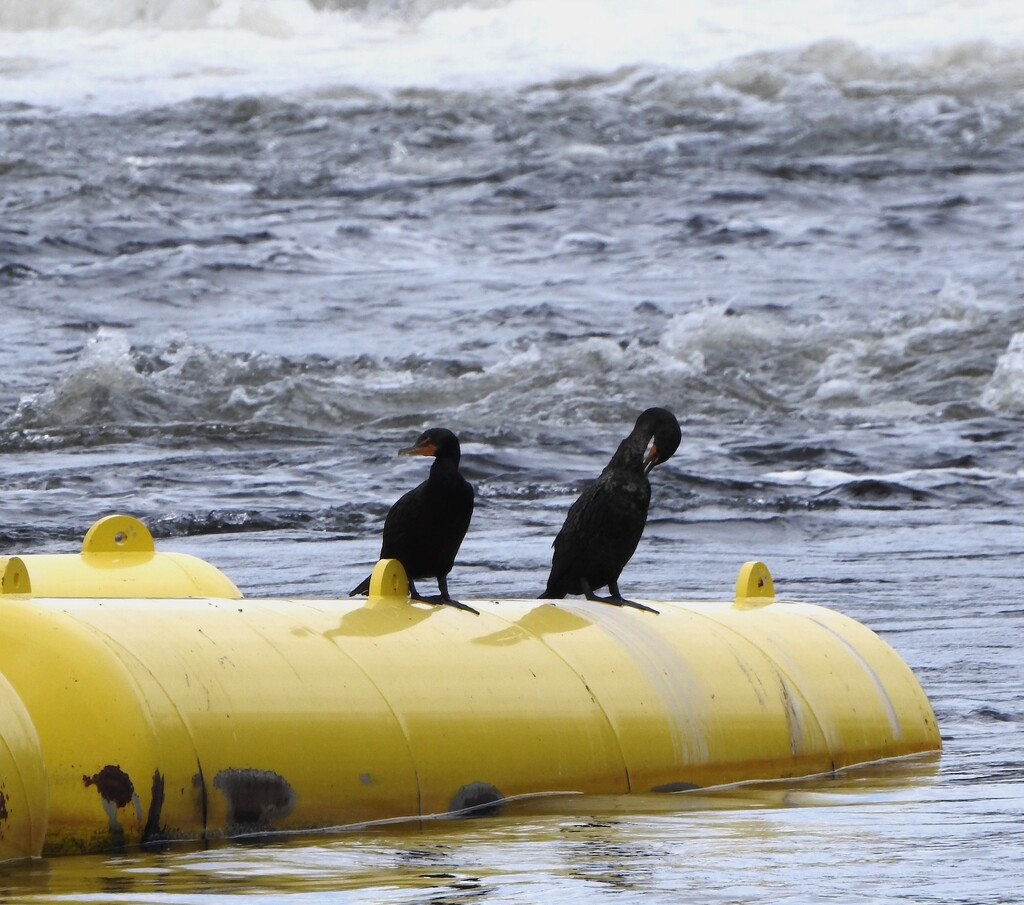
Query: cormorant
(425, 527)
(604, 525)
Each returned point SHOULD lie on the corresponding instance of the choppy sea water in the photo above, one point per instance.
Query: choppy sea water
(248, 250)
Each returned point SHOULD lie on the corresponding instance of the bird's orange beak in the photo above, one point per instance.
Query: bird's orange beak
(651, 459)
(424, 449)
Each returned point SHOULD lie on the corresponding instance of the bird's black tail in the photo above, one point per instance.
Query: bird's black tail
(362, 588)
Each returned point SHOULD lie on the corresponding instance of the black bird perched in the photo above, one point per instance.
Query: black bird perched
(425, 527)
(604, 525)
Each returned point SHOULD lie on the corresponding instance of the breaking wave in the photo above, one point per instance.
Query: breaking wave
(711, 363)
(143, 52)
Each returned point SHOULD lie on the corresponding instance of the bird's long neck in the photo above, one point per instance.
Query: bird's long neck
(445, 467)
(630, 454)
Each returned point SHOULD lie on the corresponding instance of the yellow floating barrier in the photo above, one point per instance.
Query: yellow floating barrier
(144, 700)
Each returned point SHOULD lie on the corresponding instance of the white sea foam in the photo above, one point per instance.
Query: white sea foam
(138, 52)
(812, 477)
(921, 478)
(1004, 392)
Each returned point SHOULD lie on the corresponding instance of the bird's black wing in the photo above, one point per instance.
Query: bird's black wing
(587, 520)
(426, 527)
(600, 534)
(406, 524)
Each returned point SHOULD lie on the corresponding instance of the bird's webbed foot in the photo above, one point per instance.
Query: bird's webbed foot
(458, 604)
(622, 601)
(442, 599)
(616, 599)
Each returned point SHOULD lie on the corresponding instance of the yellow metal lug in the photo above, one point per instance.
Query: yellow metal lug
(118, 534)
(14, 576)
(388, 579)
(754, 585)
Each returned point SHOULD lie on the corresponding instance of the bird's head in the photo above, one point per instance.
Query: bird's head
(665, 436)
(437, 441)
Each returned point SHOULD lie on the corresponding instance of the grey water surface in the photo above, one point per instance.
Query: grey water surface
(225, 316)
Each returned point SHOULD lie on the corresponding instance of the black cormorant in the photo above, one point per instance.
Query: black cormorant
(425, 527)
(604, 525)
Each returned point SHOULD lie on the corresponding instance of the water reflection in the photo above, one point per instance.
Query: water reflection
(630, 845)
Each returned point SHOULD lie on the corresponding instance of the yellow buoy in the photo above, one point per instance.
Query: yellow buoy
(119, 559)
(143, 699)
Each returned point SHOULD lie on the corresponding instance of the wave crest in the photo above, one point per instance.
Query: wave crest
(1004, 392)
(279, 18)
(714, 362)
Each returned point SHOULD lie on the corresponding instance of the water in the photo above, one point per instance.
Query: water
(250, 249)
